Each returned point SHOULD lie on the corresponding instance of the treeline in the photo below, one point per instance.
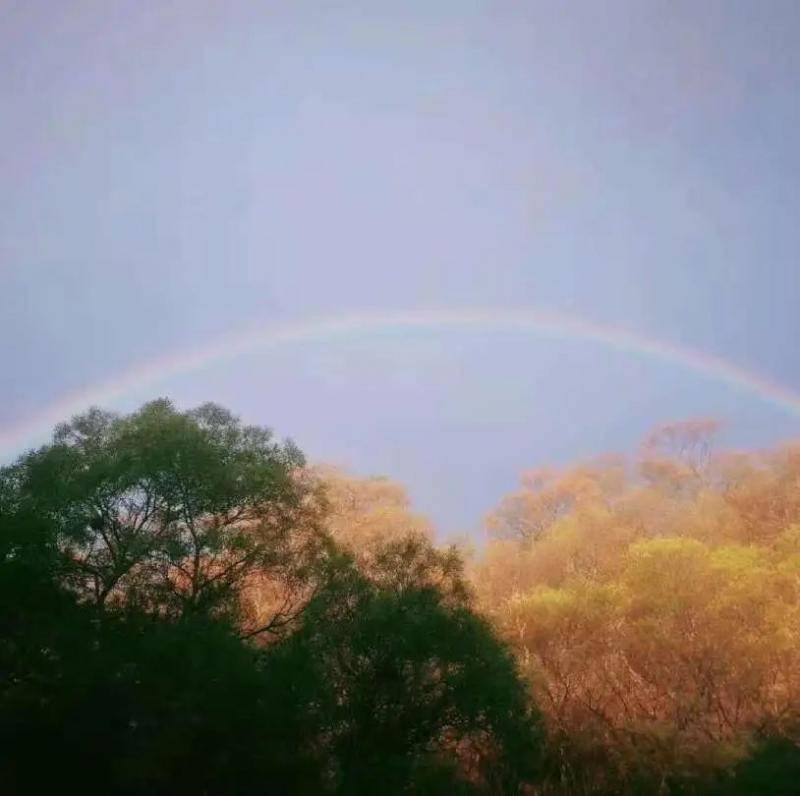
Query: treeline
(187, 606)
(653, 605)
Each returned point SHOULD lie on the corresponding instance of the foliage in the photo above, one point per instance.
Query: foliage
(407, 677)
(176, 615)
(186, 606)
(655, 608)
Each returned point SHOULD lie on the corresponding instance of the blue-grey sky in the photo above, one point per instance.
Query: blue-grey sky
(174, 171)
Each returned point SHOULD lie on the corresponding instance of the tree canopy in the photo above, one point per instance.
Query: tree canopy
(179, 615)
(187, 606)
(654, 606)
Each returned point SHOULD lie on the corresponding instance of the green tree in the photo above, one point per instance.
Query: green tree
(139, 653)
(410, 688)
(170, 511)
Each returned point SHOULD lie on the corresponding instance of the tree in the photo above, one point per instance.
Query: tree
(655, 615)
(362, 514)
(137, 704)
(175, 617)
(166, 510)
(771, 769)
(411, 687)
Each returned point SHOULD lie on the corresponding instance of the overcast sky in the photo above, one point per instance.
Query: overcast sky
(174, 171)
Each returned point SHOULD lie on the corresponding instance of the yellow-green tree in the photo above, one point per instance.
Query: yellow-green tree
(654, 604)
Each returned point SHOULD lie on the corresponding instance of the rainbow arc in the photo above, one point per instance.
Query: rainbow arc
(332, 329)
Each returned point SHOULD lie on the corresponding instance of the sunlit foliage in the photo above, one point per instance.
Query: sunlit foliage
(654, 606)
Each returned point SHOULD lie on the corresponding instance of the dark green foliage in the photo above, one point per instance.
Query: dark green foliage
(405, 683)
(136, 705)
(772, 769)
(127, 664)
(168, 510)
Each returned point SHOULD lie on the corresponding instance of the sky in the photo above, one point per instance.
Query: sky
(175, 172)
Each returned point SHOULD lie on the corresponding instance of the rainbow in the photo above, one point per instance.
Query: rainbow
(542, 324)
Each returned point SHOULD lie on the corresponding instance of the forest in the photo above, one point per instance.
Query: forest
(187, 605)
